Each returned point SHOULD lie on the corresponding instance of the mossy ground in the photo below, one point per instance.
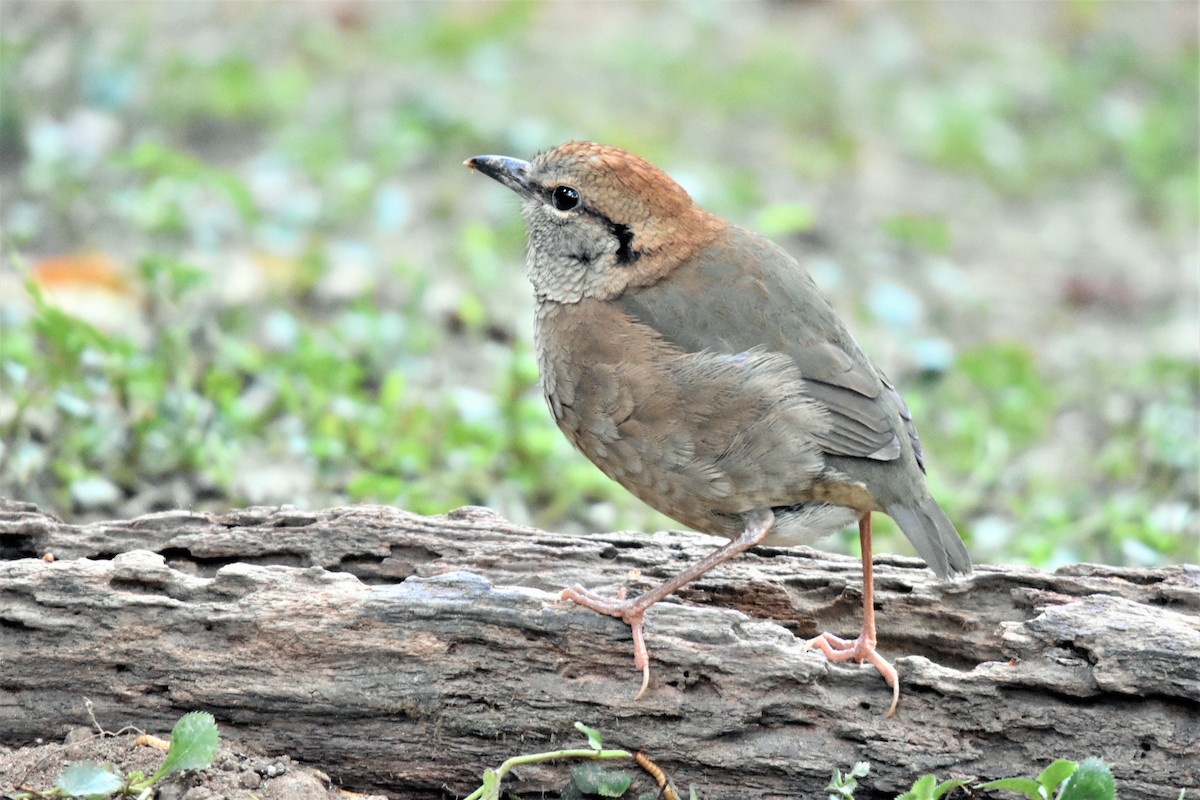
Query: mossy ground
(300, 296)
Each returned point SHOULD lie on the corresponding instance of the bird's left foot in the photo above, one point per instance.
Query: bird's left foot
(631, 612)
(839, 651)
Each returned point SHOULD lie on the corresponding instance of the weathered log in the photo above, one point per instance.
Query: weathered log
(405, 653)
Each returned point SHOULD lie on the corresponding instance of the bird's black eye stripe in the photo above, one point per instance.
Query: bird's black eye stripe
(564, 197)
(625, 253)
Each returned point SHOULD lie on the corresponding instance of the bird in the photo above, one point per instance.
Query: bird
(699, 366)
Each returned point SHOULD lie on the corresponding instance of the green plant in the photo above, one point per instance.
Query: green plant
(194, 743)
(1090, 779)
(841, 787)
(605, 784)
(927, 788)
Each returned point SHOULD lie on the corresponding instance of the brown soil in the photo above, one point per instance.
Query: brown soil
(236, 772)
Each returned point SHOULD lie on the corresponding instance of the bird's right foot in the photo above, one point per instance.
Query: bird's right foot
(631, 612)
(839, 651)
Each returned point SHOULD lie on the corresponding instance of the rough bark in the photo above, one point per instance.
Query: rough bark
(407, 653)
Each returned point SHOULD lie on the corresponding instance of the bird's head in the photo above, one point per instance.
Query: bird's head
(600, 220)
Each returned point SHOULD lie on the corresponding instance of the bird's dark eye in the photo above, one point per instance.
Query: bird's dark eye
(565, 198)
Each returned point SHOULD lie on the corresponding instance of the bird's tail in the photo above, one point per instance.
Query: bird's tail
(932, 533)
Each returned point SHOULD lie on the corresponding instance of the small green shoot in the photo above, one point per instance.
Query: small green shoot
(841, 787)
(1040, 788)
(194, 744)
(490, 790)
(593, 736)
(1090, 779)
(927, 788)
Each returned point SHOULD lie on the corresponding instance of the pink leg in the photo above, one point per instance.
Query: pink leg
(633, 612)
(862, 649)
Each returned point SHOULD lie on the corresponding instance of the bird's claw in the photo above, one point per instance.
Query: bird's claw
(839, 650)
(629, 612)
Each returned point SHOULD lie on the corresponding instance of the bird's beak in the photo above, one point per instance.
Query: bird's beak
(512, 172)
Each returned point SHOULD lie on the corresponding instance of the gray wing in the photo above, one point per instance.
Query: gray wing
(707, 306)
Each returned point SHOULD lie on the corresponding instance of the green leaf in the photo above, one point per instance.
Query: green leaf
(595, 741)
(841, 787)
(1092, 780)
(945, 787)
(596, 779)
(194, 743)
(87, 779)
(1026, 786)
(921, 790)
(1058, 771)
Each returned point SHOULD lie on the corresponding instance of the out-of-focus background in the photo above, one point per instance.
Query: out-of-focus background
(243, 263)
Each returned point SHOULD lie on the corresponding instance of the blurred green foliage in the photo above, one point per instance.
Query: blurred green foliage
(927, 233)
(319, 305)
